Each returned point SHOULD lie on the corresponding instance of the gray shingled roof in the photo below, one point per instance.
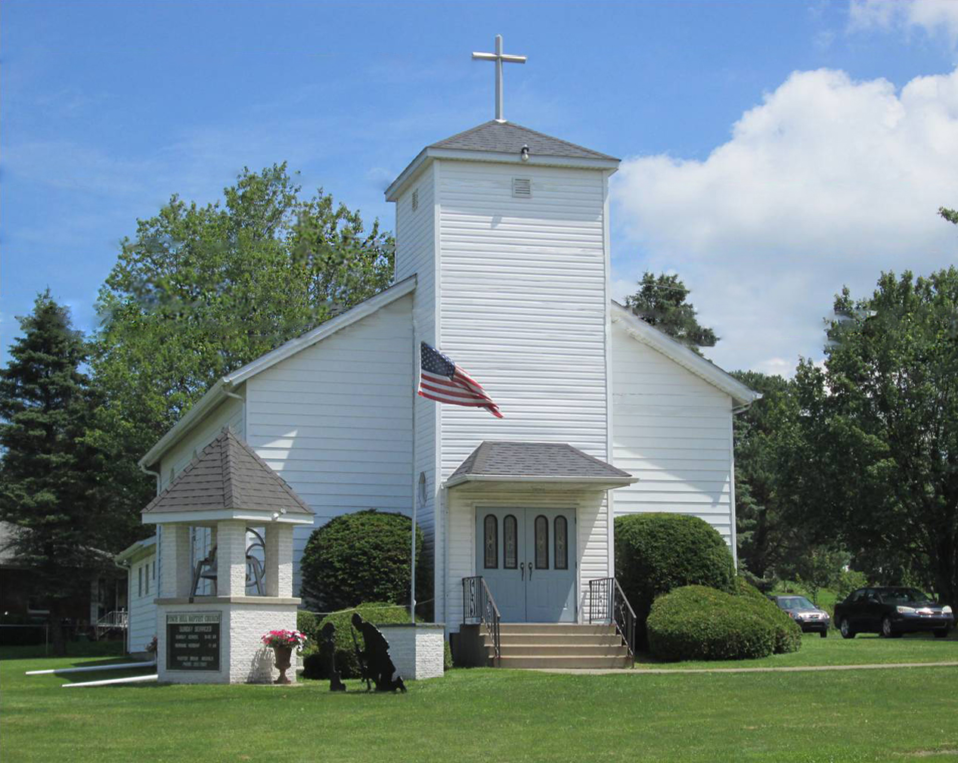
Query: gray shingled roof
(508, 138)
(227, 475)
(534, 459)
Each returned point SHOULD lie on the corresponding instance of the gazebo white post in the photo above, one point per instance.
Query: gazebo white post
(231, 558)
(279, 560)
(175, 561)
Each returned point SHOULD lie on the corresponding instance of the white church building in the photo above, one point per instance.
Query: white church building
(503, 264)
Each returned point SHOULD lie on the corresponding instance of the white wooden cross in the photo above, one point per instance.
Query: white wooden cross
(499, 57)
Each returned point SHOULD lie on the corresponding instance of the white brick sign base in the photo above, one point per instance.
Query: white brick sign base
(243, 658)
(416, 650)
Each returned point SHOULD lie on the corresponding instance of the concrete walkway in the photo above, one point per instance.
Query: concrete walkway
(687, 671)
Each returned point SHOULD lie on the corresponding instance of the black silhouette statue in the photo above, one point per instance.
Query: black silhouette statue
(374, 662)
(328, 652)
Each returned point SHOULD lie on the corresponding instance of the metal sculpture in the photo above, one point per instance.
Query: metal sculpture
(328, 653)
(375, 664)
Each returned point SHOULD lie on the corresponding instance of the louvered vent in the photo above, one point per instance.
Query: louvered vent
(415, 200)
(522, 188)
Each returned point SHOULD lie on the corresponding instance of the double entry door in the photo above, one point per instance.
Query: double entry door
(528, 559)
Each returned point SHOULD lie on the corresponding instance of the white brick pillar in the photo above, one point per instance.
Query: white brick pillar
(231, 558)
(279, 560)
(176, 573)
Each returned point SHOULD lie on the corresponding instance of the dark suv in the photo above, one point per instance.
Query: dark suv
(892, 612)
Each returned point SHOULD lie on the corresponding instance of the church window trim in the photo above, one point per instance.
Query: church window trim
(541, 529)
(560, 537)
(510, 543)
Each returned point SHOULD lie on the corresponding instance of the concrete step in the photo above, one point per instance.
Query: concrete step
(554, 628)
(531, 663)
(552, 650)
(556, 639)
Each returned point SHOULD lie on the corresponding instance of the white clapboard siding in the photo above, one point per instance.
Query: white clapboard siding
(591, 537)
(416, 255)
(335, 420)
(523, 308)
(672, 430)
(142, 612)
(523, 305)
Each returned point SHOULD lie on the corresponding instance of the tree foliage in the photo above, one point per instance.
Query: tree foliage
(202, 290)
(49, 485)
(951, 215)
(661, 301)
(876, 465)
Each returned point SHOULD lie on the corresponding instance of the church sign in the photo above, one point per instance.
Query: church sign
(193, 641)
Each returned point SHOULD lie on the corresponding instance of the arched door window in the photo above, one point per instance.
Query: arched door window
(542, 542)
(510, 550)
(490, 542)
(561, 536)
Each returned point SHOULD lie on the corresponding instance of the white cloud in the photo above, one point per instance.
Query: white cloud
(827, 182)
(933, 16)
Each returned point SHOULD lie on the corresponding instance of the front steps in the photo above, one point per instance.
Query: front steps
(550, 645)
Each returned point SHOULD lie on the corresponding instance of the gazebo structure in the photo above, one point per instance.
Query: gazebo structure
(214, 636)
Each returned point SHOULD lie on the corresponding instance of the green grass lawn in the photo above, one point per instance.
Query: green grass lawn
(490, 715)
(864, 649)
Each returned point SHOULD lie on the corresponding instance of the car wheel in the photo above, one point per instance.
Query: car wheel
(846, 630)
(823, 634)
(943, 633)
(886, 628)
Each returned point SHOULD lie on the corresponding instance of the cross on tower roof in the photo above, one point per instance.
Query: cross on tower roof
(499, 57)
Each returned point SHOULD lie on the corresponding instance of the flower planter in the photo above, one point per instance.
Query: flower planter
(282, 656)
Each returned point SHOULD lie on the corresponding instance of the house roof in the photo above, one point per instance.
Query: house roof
(704, 368)
(136, 550)
(221, 388)
(535, 462)
(508, 138)
(227, 476)
(502, 142)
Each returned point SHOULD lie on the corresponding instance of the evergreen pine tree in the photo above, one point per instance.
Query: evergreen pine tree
(661, 302)
(47, 472)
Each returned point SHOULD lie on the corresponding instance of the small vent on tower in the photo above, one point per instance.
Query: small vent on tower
(522, 188)
(415, 200)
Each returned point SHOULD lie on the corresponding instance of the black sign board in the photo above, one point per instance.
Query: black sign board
(193, 641)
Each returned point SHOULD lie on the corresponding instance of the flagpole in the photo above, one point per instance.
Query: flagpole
(415, 480)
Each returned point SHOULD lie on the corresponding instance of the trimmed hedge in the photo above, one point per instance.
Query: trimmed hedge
(377, 613)
(700, 623)
(360, 557)
(788, 634)
(655, 553)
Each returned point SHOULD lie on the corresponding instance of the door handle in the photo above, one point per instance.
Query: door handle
(530, 570)
(522, 569)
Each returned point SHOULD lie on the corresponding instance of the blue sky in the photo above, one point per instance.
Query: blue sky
(767, 124)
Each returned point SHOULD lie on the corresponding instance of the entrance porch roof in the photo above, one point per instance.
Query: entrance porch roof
(540, 463)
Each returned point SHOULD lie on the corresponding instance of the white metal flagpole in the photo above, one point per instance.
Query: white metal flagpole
(415, 481)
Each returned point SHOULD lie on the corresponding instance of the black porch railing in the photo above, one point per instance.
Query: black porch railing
(478, 606)
(608, 604)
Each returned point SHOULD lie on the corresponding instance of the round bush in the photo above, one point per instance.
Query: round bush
(655, 553)
(362, 557)
(788, 635)
(700, 623)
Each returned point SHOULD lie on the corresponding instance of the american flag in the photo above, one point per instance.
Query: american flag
(445, 382)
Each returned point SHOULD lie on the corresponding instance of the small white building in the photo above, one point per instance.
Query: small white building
(502, 263)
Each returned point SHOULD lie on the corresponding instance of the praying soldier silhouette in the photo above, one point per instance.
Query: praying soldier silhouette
(328, 652)
(374, 659)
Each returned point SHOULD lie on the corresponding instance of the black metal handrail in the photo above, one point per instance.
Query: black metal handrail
(608, 603)
(478, 605)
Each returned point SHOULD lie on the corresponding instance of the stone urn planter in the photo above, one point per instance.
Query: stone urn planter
(282, 659)
(283, 643)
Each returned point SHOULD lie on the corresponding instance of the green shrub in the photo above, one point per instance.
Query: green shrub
(377, 613)
(307, 623)
(701, 623)
(655, 553)
(788, 634)
(360, 557)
